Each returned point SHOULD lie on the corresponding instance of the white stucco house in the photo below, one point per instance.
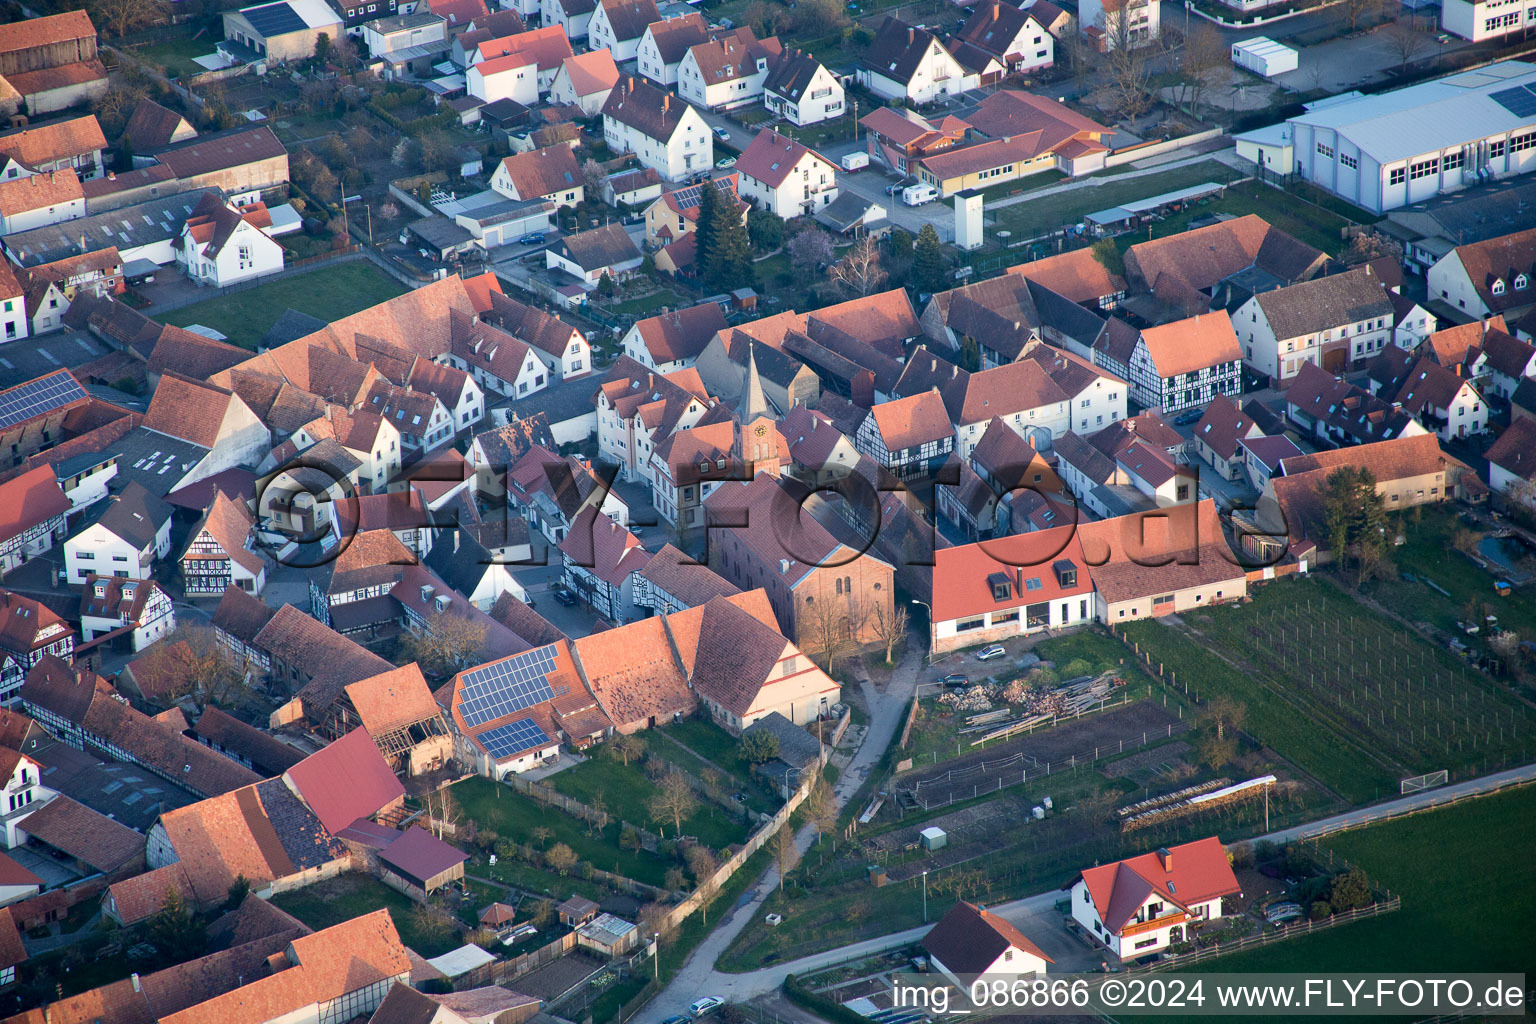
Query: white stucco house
(1335, 321)
(971, 940)
(800, 89)
(665, 133)
(131, 534)
(909, 63)
(727, 71)
(222, 244)
(138, 606)
(780, 175)
(1148, 903)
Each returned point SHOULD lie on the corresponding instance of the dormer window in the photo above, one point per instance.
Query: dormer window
(1498, 287)
(1002, 586)
(1522, 283)
(101, 590)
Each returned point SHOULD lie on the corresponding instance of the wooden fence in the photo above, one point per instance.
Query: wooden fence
(517, 966)
(1264, 938)
(548, 795)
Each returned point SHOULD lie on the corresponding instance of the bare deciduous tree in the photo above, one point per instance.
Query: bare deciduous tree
(1357, 11)
(562, 858)
(121, 17)
(1405, 40)
(196, 664)
(859, 273)
(825, 627)
(821, 809)
(674, 801)
(1129, 64)
(1203, 55)
(444, 643)
(593, 176)
(1372, 245)
(626, 747)
(890, 625)
(785, 853)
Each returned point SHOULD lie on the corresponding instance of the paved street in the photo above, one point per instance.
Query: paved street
(698, 976)
(1034, 915)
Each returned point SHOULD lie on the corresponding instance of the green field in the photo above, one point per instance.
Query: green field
(1468, 885)
(1346, 694)
(626, 792)
(1429, 552)
(514, 816)
(329, 292)
(174, 56)
(347, 896)
(1036, 216)
(1297, 217)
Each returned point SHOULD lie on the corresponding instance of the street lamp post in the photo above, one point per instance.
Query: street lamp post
(932, 637)
(656, 953)
(925, 896)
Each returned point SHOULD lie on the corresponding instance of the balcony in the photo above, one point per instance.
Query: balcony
(1166, 921)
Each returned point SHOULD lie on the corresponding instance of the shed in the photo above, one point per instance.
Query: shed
(1263, 56)
(933, 838)
(576, 911)
(423, 860)
(608, 935)
(459, 962)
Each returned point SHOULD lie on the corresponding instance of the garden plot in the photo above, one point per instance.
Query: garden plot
(1147, 766)
(1066, 746)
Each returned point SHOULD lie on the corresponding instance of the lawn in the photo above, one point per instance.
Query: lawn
(645, 305)
(174, 56)
(330, 292)
(1048, 213)
(347, 896)
(1343, 692)
(1466, 878)
(625, 791)
(1429, 552)
(1297, 217)
(515, 816)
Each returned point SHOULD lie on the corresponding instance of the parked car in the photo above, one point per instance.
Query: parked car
(535, 238)
(891, 190)
(956, 681)
(726, 164)
(988, 653)
(1184, 419)
(704, 1007)
(565, 597)
(721, 134)
(679, 1019)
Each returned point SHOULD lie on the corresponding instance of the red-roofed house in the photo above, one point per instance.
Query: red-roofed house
(221, 244)
(585, 81)
(1025, 135)
(785, 177)
(673, 341)
(1010, 586)
(1185, 363)
(32, 510)
(345, 780)
(29, 632)
(909, 436)
(1146, 903)
(600, 559)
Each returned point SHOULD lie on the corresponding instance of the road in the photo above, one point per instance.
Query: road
(1034, 915)
(699, 976)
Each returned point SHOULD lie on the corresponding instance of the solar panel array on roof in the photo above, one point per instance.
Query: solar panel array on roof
(274, 19)
(1520, 101)
(503, 687)
(37, 397)
(506, 740)
(688, 198)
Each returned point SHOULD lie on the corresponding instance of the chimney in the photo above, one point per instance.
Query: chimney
(995, 9)
(666, 103)
(135, 977)
(1018, 580)
(1165, 857)
(911, 36)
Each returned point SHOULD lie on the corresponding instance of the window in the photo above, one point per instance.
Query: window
(1396, 175)
(1348, 161)
(1424, 168)
(970, 624)
(1326, 151)
(1498, 287)
(1451, 161)
(1495, 149)
(1522, 142)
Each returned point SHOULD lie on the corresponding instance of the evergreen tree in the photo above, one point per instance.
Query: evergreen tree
(930, 267)
(725, 250)
(704, 234)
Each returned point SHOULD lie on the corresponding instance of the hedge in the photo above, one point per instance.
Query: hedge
(820, 1005)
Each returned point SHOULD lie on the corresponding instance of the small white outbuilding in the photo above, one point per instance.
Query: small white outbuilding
(1263, 56)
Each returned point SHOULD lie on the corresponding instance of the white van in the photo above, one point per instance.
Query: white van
(917, 195)
(855, 161)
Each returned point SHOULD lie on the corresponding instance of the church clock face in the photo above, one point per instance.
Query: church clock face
(760, 430)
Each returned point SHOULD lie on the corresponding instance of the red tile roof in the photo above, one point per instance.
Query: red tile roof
(1196, 872)
(1158, 552)
(1188, 346)
(29, 33)
(27, 500)
(392, 700)
(84, 834)
(913, 421)
(770, 158)
(1078, 275)
(634, 673)
(346, 780)
(421, 856)
(1027, 564)
(138, 898)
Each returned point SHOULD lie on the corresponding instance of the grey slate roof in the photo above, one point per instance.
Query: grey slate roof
(136, 515)
(128, 227)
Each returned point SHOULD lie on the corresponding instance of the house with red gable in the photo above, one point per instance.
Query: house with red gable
(1010, 586)
(600, 560)
(32, 511)
(1147, 903)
